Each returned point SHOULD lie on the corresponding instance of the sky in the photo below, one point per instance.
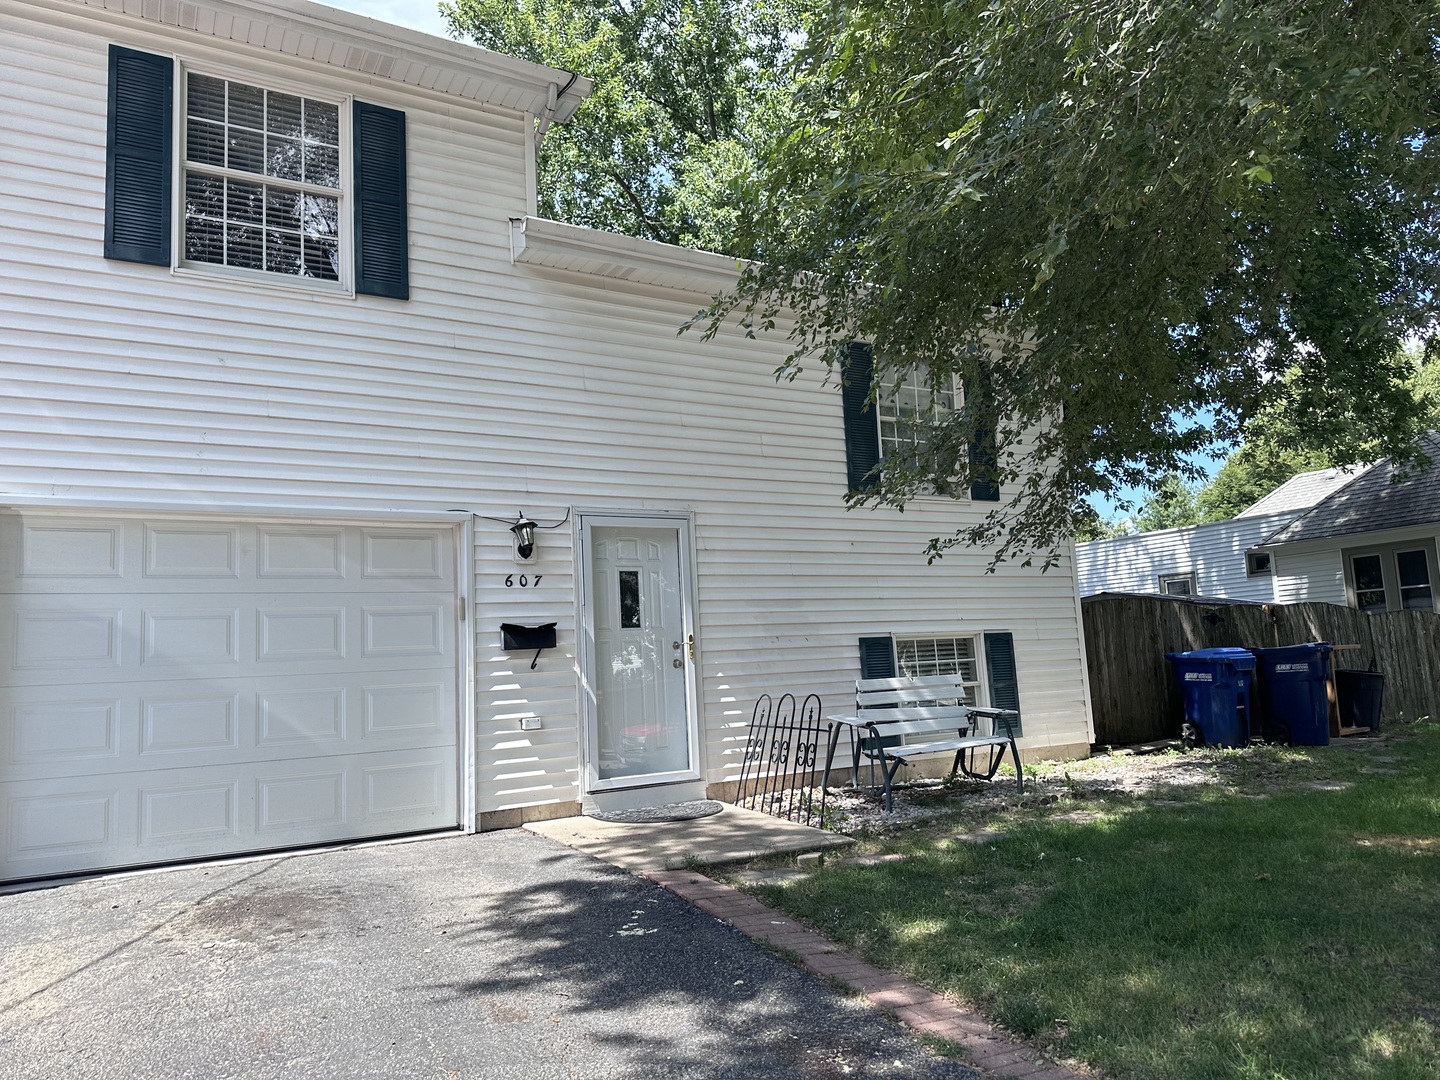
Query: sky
(424, 15)
(416, 14)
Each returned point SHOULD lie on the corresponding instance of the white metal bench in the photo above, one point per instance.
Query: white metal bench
(931, 709)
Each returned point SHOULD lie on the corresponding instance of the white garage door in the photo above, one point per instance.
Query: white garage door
(176, 688)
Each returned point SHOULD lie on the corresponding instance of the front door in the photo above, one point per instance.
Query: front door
(639, 692)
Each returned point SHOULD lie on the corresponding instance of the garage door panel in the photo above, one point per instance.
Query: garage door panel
(59, 731)
(64, 636)
(301, 553)
(46, 552)
(188, 813)
(301, 635)
(63, 732)
(195, 638)
(134, 638)
(81, 821)
(194, 551)
(176, 688)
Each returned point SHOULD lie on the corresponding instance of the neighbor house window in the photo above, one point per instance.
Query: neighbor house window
(1413, 570)
(1257, 563)
(941, 656)
(1177, 584)
(263, 183)
(1369, 583)
(1400, 577)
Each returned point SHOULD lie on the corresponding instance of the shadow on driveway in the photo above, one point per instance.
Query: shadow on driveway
(501, 955)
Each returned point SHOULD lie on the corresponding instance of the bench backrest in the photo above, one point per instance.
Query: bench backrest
(928, 697)
(923, 705)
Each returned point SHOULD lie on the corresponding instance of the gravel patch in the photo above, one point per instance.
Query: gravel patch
(1158, 774)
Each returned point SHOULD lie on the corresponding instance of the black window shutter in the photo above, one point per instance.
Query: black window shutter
(1000, 670)
(862, 428)
(382, 244)
(984, 459)
(137, 157)
(877, 657)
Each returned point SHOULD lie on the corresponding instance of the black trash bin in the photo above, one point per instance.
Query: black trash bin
(1359, 695)
(1215, 686)
(1294, 706)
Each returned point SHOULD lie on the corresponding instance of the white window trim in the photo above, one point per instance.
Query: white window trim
(1269, 558)
(884, 393)
(235, 275)
(981, 683)
(1390, 571)
(1188, 575)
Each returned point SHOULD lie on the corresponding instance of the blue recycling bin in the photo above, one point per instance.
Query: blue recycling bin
(1292, 683)
(1215, 687)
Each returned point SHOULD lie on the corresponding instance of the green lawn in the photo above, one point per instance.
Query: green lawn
(1206, 933)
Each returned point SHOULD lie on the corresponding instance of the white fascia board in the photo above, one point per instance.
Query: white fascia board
(558, 246)
(1363, 539)
(366, 46)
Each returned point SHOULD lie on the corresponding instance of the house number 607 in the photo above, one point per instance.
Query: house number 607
(524, 581)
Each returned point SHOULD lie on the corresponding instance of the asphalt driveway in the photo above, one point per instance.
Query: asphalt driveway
(502, 955)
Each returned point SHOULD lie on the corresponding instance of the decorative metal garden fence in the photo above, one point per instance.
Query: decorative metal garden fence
(781, 771)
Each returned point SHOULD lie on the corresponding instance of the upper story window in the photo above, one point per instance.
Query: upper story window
(262, 179)
(1258, 563)
(273, 185)
(909, 410)
(899, 421)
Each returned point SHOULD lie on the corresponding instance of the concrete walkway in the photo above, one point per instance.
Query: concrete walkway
(733, 835)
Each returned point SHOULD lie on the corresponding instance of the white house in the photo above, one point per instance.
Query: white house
(1371, 544)
(286, 355)
(1217, 559)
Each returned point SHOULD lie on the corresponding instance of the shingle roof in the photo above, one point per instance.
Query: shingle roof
(1371, 503)
(1303, 491)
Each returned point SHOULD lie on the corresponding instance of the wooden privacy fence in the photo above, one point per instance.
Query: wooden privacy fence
(1132, 689)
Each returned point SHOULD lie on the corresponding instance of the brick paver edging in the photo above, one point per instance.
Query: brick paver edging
(918, 1007)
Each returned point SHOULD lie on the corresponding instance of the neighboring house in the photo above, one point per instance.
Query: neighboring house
(1370, 545)
(287, 355)
(1214, 560)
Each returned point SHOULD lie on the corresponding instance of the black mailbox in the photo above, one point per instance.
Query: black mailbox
(517, 638)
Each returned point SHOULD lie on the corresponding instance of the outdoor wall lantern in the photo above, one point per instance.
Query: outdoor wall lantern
(523, 531)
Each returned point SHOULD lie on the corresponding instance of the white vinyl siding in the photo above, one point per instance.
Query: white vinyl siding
(1309, 577)
(497, 388)
(1214, 554)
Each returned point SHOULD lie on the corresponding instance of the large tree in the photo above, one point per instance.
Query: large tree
(1114, 216)
(686, 91)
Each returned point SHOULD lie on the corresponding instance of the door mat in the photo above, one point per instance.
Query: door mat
(650, 815)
